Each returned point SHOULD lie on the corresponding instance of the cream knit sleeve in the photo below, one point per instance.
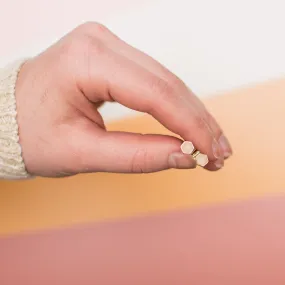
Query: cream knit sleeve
(11, 162)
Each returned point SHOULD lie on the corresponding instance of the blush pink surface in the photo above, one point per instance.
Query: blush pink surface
(241, 243)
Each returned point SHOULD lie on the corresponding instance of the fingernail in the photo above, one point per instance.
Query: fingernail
(226, 147)
(219, 164)
(181, 161)
(217, 151)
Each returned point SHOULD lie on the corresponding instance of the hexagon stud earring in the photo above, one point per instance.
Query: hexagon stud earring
(187, 147)
(202, 159)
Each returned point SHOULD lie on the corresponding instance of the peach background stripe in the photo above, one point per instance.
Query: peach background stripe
(252, 117)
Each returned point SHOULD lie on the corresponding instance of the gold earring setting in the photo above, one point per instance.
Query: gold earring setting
(187, 147)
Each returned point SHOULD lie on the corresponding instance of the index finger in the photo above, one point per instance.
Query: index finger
(167, 100)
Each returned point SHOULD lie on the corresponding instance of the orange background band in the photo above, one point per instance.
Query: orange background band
(253, 118)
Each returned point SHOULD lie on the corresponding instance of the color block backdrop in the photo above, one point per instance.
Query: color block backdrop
(256, 169)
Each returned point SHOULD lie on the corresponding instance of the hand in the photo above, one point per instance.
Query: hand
(61, 131)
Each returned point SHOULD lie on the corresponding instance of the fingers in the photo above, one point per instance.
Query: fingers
(119, 46)
(137, 88)
(131, 153)
(126, 50)
(119, 73)
(218, 134)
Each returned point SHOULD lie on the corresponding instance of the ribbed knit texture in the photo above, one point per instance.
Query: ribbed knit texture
(11, 162)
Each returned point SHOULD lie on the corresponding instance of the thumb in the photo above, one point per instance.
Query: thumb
(132, 153)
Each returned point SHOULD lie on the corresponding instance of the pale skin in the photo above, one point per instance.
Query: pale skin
(59, 92)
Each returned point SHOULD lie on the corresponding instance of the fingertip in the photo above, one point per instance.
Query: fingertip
(214, 165)
(225, 146)
(217, 150)
(181, 161)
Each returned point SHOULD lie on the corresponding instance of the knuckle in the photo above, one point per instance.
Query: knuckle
(208, 116)
(199, 122)
(99, 28)
(175, 81)
(214, 124)
(138, 164)
(141, 162)
(96, 46)
(162, 88)
(73, 45)
(84, 44)
(93, 28)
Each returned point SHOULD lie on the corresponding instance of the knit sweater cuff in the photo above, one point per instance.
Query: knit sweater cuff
(11, 162)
